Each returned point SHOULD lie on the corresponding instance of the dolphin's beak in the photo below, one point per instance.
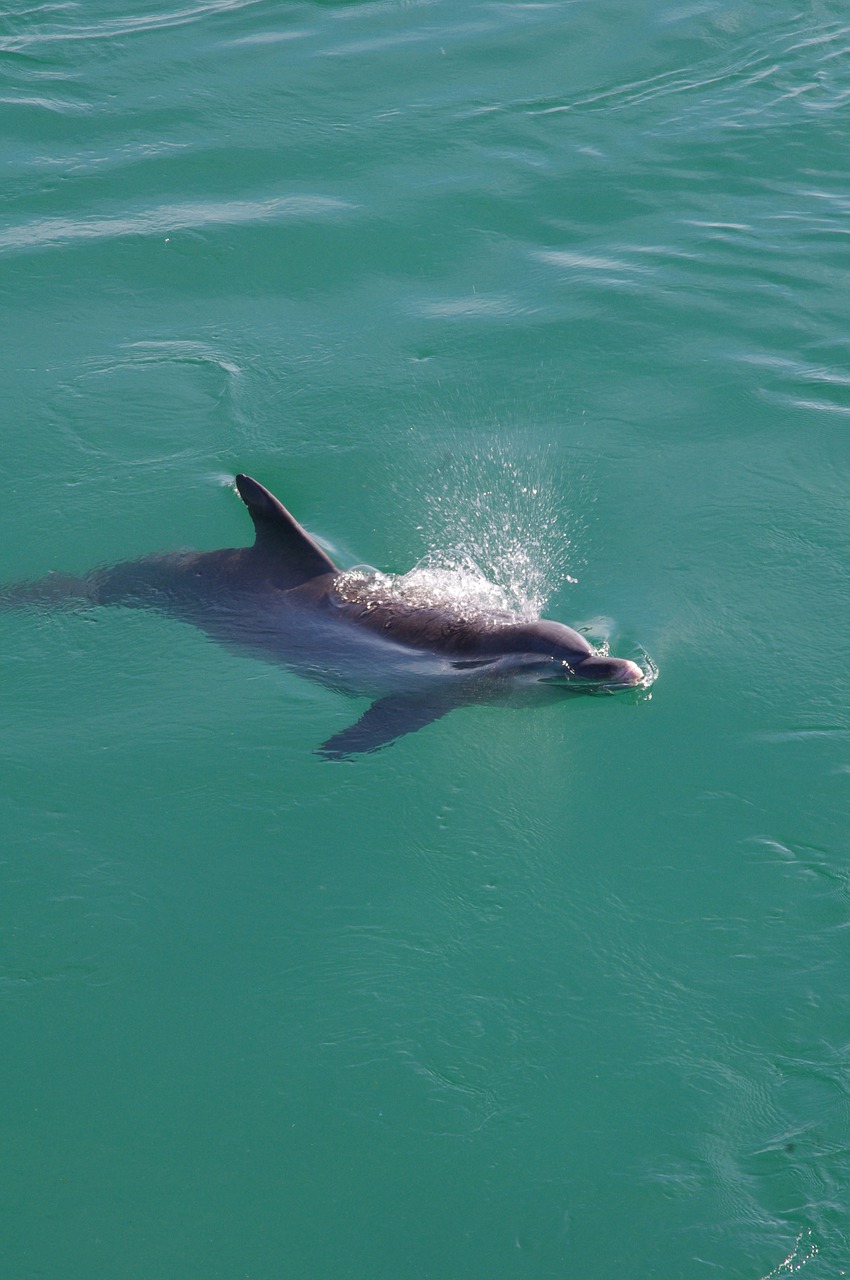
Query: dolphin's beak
(609, 672)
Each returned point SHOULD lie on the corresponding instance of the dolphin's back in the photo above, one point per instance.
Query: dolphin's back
(444, 630)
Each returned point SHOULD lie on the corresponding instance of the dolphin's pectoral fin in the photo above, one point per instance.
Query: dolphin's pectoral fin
(387, 719)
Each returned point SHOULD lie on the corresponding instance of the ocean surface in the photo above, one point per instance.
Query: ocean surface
(536, 993)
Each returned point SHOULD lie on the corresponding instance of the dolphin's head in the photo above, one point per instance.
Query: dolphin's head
(602, 672)
(569, 659)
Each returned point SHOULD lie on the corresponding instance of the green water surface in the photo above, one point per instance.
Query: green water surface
(553, 992)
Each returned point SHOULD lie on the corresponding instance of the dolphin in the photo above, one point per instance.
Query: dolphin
(283, 599)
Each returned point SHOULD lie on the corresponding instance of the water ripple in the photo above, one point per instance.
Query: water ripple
(126, 24)
(56, 106)
(44, 232)
(745, 83)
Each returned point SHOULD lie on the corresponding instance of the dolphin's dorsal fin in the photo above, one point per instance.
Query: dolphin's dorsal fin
(280, 536)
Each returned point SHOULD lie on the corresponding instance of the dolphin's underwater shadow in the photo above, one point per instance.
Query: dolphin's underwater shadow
(284, 600)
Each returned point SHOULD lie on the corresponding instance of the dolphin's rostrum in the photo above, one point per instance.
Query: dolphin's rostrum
(285, 600)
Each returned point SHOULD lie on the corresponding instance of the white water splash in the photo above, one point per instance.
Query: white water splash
(502, 528)
(459, 588)
(804, 1250)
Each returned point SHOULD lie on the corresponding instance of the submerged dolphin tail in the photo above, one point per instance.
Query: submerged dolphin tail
(280, 536)
(57, 589)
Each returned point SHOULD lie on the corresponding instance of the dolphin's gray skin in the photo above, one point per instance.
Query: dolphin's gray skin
(285, 600)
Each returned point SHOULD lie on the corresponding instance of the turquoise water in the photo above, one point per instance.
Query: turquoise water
(539, 992)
